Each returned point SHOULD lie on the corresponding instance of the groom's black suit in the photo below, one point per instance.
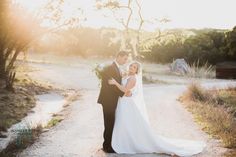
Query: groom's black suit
(108, 97)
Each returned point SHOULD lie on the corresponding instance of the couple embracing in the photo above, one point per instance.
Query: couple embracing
(127, 128)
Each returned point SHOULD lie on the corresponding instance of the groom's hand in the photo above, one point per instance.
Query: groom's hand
(128, 94)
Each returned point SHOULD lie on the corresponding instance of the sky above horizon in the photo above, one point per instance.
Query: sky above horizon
(182, 13)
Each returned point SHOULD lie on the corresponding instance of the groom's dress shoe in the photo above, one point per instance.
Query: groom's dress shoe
(108, 150)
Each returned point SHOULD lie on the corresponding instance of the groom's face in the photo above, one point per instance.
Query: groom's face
(123, 59)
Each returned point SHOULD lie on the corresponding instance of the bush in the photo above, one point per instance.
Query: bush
(207, 45)
(204, 71)
(212, 111)
(196, 93)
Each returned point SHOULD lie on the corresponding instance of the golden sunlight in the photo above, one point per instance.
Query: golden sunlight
(181, 13)
(31, 5)
(59, 59)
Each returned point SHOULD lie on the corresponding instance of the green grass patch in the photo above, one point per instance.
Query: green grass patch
(54, 121)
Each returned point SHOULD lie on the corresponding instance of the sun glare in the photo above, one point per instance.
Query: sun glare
(182, 13)
(31, 5)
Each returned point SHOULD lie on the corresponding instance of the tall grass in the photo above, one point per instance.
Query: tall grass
(212, 112)
(201, 71)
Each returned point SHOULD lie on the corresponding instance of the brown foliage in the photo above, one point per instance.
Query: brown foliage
(213, 111)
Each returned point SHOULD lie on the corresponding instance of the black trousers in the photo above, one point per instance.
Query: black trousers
(109, 120)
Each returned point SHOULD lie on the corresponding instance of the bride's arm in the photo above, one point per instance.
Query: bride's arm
(126, 89)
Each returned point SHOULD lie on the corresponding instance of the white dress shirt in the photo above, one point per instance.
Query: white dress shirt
(119, 67)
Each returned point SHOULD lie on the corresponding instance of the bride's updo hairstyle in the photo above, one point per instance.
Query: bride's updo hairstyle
(138, 66)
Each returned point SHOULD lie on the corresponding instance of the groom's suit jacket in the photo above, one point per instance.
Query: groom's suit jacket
(109, 94)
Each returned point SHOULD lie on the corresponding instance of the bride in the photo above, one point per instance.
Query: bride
(132, 132)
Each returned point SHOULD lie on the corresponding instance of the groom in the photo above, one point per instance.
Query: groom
(109, 95)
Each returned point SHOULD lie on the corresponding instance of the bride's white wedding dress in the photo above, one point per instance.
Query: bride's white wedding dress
(132, 132)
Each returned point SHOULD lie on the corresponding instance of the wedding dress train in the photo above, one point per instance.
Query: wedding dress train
(132, 132)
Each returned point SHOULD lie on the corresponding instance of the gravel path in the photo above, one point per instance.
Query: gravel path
(80, 134)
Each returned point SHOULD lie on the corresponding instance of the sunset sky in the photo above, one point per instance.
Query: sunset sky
(182, 13)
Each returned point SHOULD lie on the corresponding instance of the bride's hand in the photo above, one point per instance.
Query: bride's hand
(128, 94)
(124, 74)
(112, 81)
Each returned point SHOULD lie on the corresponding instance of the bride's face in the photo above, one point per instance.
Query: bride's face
(133, 69)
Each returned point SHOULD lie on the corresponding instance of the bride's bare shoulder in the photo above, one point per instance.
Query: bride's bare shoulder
(132, 78)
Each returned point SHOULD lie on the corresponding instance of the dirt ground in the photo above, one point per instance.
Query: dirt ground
(80, 134)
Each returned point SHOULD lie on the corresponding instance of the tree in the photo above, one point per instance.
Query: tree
(15, 34)
(206, 47)
(19, 29)
(130, 39)
(230, 47)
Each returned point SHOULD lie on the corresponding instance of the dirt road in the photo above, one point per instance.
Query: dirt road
(80, 134)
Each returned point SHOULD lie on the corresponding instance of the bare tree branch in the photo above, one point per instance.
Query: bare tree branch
(129, 16)
(140, 15)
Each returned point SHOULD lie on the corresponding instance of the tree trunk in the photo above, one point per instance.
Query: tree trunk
(10, 81)
(2, 68)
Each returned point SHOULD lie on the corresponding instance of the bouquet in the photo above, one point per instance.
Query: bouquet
(99, 70)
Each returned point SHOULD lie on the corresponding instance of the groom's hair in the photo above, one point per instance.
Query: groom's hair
(122, 54)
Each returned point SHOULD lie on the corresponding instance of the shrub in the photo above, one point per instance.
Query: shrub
(212, 111)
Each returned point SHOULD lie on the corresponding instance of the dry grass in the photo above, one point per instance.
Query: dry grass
(148, 79)
(214, 110)
(231, 153)
(204, 71)
(195, 70)
(196, 93)
(25, 138)
(15, 105)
